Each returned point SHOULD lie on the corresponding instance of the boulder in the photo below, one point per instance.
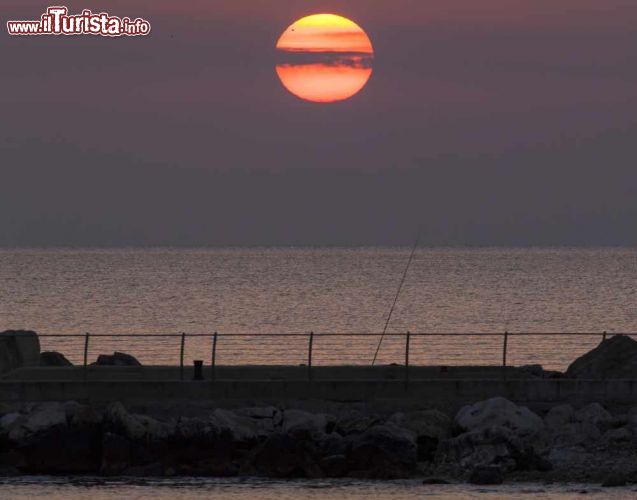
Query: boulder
(116, 454)
(593, 413)
(430, 423)
(61, 450)
(559, 416)
(335, 466)
(8, 421)
(429, 426)
(355, 423)
(483, 447)
(614, 436)
(116, 359)
(499, 412)
(385, 451)
(18, 348)
(195, 430)
(42, 417)
(615, 357)
(284, 456)
(52, 358)
(298, 420)
(486, 475)
(135, 427)
(239, 428)
(574, 434)
(82, 416)
(615, 480)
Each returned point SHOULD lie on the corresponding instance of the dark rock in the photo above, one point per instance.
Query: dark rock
(387, 449)
(18, 348)
(355, 423)
(61, 450)
(116, 359)
(614, 480)
(52, 358)
(9, 471)
(615, 357)
(283, 456)
(489, 475)
(335, 466)
(150, 470)
(494, 445)
(429, 426)
(502, 413)
(435, 480)
(116, 454)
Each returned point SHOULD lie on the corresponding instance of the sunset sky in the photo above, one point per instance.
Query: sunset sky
(492, 122)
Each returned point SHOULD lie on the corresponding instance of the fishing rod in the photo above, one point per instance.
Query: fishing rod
(400, 287)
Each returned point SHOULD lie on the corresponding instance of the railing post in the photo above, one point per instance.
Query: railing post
(213, 362)
(309, 357)
(181, 357)
(86, 337)
(504, 354)
(604, 336)
(407, 339)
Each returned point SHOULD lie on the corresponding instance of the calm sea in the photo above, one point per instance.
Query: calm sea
(75, 489)
(290, 290)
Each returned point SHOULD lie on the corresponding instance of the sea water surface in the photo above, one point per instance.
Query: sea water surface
(300, 290)
(248, 489)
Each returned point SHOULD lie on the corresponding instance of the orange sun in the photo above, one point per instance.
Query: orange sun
(324, 58)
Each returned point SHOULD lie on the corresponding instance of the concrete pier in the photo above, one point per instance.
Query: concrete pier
(378, 388)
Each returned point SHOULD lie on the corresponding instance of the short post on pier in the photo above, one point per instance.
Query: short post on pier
(504, 354)
(181, 357)
(213, 361)
(86, 339)
(309, 356)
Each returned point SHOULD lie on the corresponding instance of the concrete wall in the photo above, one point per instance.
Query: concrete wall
(380, 395)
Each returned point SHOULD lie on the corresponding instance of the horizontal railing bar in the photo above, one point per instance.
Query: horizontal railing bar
(317, 334)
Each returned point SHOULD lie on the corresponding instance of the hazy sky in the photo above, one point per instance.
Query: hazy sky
(490, 122)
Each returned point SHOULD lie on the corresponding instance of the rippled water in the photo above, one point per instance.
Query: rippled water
(69, 488)
(322, 290)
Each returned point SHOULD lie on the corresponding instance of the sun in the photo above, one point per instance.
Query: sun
(324, 58)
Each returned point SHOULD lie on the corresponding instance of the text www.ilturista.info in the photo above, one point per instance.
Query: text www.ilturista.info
(57, 21)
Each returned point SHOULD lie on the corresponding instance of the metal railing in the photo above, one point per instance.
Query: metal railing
(300, 349)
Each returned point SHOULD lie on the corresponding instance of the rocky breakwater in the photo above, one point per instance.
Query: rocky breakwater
(486, 443)
(69, 438)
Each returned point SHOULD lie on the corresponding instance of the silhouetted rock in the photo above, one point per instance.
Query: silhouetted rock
(429, 426)
(284, 456)
(615, 480)
(615, 357)
(593, 413)
(387, 448)
(18, 348)
(486, 475)
(297, 420)
(116, 454)
(335, 466)
(52, 358)
(559, 416)
(493, 445)
(499, 412)
(61, 450)
(435, 480)
(135, 427)
(41, 418)
(116, 359)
